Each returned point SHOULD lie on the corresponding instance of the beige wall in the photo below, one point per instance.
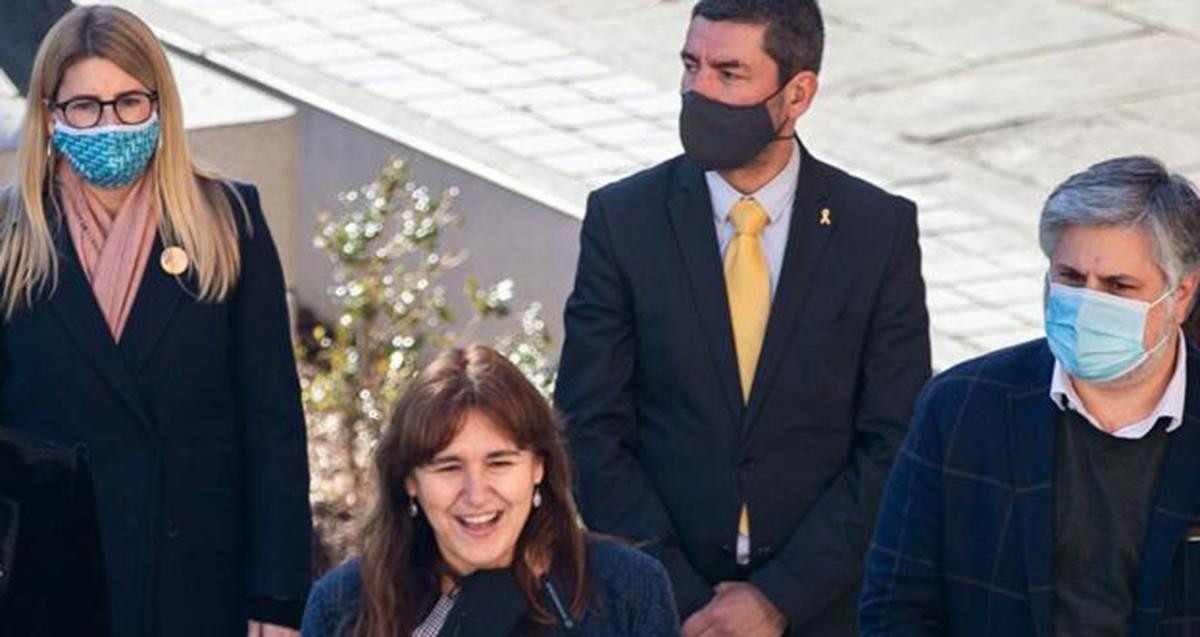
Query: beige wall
(7, 161)
(264, 154)
(507, 234)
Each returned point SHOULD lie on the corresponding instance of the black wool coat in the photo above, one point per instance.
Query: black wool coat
(193, 428)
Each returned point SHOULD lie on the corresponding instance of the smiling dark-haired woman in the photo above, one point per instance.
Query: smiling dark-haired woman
(474, 531)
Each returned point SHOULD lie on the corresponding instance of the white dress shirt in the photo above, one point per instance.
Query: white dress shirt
(776, 197)
(1062, 392)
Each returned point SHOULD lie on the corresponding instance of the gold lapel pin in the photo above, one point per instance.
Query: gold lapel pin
(174, 261)
(826, 217)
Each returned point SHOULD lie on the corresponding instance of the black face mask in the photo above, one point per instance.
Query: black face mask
(720, 136)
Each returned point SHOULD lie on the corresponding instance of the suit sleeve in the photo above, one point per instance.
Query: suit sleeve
(596, 392)
(902, 587)
(822, 560)
(278, 523)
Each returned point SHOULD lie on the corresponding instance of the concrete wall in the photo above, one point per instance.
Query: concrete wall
(7, 164)
(264, 154)
(505, 233)
(11, 108)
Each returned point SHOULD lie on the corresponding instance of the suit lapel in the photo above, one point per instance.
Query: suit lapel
(75, 305)
(1032, 433)
(806, 243)
(691, 215)
(154, 306)
(1178, 497)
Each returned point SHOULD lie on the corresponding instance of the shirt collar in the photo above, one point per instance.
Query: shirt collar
(776, 196)
(1170, 406)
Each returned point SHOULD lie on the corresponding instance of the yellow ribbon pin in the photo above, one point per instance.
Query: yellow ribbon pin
(826, 217)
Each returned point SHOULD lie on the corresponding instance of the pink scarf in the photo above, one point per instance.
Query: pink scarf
(113, 249)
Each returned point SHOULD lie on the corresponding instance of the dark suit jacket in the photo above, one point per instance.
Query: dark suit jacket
(965, 540)
(51, 567)
(666, 451)
(194, 431)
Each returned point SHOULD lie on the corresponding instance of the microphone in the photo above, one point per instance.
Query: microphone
(564, 617)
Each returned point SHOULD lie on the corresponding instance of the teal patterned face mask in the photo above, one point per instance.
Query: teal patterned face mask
(108, 157)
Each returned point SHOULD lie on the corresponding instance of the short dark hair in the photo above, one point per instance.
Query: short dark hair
(795, 36)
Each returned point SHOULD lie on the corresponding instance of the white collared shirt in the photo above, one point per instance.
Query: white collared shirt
(776, 197)
(1063, 394)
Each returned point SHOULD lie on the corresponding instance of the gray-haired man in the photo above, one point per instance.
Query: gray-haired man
(1054, 487)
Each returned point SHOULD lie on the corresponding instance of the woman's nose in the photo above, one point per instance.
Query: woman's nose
(475, 487)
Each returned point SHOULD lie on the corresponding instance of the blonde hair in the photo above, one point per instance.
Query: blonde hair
(197, 215)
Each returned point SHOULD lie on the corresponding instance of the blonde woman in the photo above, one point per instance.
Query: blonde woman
(144, 320)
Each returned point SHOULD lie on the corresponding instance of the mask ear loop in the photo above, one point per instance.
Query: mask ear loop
(50, 137)
(1169, 291)
(51, 168)
(778, 137)
(1153, 351)
(1166, 333)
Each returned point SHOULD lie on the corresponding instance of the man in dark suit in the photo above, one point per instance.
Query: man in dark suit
(744, 342)
(1053, 488)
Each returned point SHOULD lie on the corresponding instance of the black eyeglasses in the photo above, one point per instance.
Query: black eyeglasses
(131, 107)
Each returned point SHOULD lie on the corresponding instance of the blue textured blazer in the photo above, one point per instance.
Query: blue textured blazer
(193, 429)
(964, 541)
(633, 598)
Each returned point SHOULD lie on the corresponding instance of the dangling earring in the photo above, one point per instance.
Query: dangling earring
(537, 496)
(413, 509)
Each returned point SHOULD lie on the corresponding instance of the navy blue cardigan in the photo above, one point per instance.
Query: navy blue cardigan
(965, 539)
(634, 597)
(193, 429)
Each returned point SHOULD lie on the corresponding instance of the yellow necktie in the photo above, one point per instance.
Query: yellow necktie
(748, 283)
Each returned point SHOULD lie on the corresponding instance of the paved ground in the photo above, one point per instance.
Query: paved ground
(974, 109)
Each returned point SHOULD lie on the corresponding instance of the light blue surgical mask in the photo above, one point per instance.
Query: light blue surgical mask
(1096, 336)
(108, 157)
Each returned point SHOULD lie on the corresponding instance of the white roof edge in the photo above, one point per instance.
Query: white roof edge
(420, 144)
